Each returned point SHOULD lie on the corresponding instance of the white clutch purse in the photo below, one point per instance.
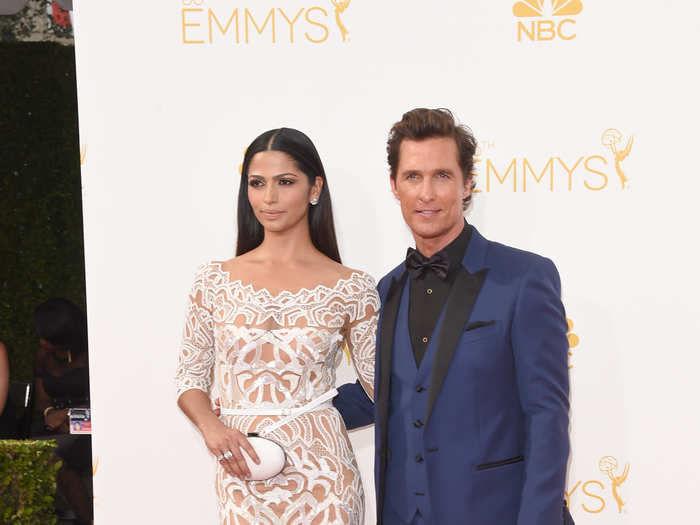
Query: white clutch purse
(271, 454)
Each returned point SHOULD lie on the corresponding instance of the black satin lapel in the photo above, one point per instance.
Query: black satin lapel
(390, 312)
(459, 308)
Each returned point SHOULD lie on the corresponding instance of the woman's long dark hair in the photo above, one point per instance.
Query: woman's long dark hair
(62, 324)
(298, 146)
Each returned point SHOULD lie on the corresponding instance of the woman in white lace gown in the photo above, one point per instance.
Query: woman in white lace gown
(270, 325)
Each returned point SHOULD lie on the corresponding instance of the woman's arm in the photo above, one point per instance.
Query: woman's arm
(55, 419)
(361, 335)
(196, 361)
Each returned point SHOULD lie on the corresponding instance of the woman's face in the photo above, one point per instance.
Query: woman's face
(278, 191)
(50, 348)
(46, 346)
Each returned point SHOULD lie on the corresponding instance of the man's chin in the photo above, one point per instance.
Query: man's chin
(428, 231)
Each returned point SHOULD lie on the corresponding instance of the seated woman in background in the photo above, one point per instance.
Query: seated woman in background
(62, 382)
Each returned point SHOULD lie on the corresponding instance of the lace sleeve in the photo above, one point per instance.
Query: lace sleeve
(196, 356)
(361, 332)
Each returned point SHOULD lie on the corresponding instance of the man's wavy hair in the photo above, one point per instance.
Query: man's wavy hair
(423, 123)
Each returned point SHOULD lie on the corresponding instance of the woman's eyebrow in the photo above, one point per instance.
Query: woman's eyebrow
(252, 175)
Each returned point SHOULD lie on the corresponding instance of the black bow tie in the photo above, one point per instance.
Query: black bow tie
(417, 264)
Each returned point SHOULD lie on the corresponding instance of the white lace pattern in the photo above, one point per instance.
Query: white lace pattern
(281, 350)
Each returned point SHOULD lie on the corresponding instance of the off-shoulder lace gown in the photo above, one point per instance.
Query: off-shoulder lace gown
(281, 351)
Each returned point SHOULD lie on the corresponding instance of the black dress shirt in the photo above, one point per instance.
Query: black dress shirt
(428, 295)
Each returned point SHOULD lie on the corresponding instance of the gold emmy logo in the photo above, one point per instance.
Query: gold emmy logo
(340, 7)
(608, 465)
(202, 24)
(593, 492)
(95, 464)
(572, 337)
(544, 28)
(240, 166)
(611, 138)
(591, 172)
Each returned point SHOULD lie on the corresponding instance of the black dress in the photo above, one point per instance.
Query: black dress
(68, 390)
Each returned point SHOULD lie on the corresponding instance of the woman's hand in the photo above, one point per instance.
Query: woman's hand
(57, 419)
(223, 442)
(227, 442)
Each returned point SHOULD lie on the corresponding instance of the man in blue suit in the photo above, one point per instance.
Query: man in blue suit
(471, 386)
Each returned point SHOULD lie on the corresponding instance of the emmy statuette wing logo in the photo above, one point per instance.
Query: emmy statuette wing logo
(217, 22)
(340, 7)
(593, 496)
(546, 20)
(608, 465)
(612, 138)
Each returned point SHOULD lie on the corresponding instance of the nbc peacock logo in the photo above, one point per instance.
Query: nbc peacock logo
(546, 20)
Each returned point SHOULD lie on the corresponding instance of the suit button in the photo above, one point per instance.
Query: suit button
(419, 459)
(429, 291)
(419, 389)
(425, 339)
(417, 423)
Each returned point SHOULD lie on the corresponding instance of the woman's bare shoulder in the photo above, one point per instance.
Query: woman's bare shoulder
(235, 264)
(347, 273)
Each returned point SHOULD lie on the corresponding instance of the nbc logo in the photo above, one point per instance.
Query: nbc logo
(547, 19)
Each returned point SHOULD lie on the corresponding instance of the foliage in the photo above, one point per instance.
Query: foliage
(41, 240)
(27, 482)
(35, 23)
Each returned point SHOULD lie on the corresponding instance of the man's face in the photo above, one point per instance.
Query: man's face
(430, 186)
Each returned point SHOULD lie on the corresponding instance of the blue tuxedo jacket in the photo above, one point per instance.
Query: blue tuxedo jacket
(496, 429)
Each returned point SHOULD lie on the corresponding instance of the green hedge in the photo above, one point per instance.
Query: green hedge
(27, 482)
(41, 238)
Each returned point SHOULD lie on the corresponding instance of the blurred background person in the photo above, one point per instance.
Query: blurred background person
(61, 383)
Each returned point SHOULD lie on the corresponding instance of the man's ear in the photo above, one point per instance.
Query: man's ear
(467, 190)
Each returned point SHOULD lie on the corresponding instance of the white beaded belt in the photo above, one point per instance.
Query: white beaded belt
(322, 401)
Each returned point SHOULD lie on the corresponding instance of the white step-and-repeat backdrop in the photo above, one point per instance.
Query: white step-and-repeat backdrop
(586, 114)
